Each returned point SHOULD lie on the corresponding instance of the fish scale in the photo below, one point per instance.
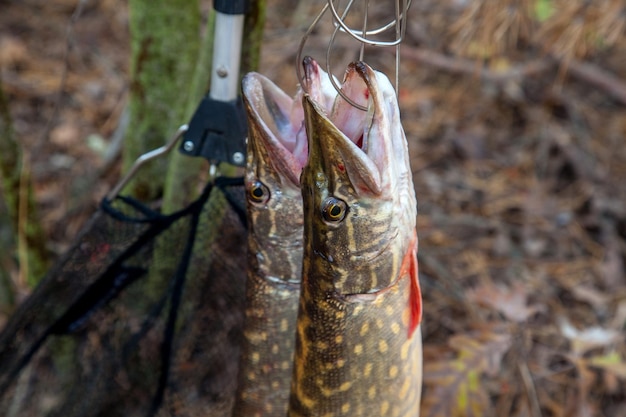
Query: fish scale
(276, 152)
(274, 207)
(359, 366)
(358, 342)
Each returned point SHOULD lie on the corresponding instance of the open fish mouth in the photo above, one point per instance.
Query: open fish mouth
(280, 119)
(275, 117)
(367, 145)
(357, 183)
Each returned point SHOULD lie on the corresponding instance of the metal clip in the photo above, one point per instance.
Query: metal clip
(217, 132)
(143, 159)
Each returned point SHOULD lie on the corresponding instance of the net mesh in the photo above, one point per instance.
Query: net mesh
(142, 317)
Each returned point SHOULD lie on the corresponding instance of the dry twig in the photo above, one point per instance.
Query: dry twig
(473, 67)
(584, 71)
(599, 78)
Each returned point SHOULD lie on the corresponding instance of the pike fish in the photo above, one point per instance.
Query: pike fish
(277, 151)
(358, 345)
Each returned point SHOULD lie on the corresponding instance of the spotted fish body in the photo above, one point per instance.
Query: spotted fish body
(277, 150)
(358, 345)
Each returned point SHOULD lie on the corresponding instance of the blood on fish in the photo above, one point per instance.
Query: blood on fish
(366, 94)
(341, 167)
(410, 267)
(359, 142)
(415, 298)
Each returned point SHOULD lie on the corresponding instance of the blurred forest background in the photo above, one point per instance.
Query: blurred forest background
(515, 113)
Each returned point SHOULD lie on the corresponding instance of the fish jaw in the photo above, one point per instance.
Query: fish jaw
(274, 129)
(277, 151)
(317, 85)
(361, 159)
(278, 120)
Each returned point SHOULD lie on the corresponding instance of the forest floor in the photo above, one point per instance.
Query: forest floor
(515, 113)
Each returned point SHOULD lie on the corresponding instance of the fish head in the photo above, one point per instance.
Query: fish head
(359, 201)
(276, 153)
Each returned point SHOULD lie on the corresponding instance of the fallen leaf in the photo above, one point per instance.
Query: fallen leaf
(611, 362)
(65, 134)
(597, 299)
(585, 340)
(13, 51)
(619, 318)
(454, 387)
(487, 346)
(456, 390)
(543, 10)
(612, 267)
(586, 380)
(512, 303)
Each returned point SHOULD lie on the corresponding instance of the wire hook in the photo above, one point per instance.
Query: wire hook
(362, 35)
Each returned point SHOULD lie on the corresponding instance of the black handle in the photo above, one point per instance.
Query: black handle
(231, 6)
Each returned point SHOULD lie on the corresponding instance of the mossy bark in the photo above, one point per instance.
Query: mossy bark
(7, 293)
(165, 46)
(253, 36)
(182, 174)
(20, 203)
(182, 177)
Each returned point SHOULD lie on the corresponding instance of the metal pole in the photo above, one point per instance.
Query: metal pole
(217, 130)
(226, 56)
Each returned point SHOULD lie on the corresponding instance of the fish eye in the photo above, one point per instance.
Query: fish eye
(258, 192)
(334, 209)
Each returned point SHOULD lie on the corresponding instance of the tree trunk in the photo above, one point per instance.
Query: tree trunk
(110, 365)
(164, 48)
(182, 174)
(20, 205)
(253, 36)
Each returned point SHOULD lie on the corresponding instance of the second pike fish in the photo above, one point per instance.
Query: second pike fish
(277, 151)
(358, 347)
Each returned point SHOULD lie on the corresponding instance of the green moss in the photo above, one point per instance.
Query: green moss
(29, 238)
(543, 10)
(164, 50)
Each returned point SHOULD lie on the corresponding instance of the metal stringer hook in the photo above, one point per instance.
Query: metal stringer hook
(378, 36)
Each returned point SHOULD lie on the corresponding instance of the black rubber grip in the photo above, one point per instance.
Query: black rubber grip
(231, 6)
